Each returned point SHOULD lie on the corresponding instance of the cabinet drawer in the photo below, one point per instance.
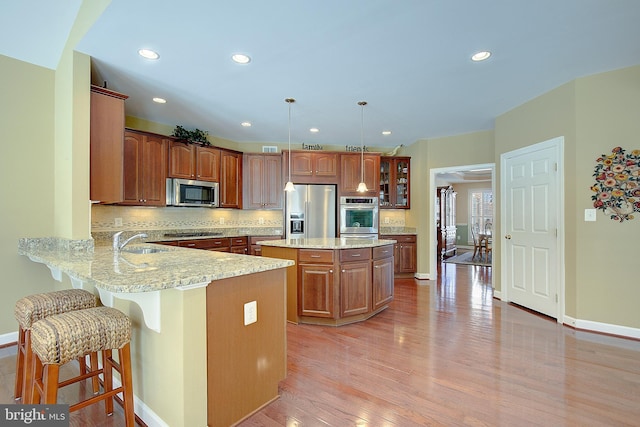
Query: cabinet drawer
(381, 252)
(206, 243)
(401, 238)
(361, 254)
(239, 241)
(314, 255)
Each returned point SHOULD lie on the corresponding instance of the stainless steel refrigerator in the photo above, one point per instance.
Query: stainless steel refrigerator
(311, 211)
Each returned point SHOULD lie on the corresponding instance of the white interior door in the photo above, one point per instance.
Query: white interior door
(530, 201)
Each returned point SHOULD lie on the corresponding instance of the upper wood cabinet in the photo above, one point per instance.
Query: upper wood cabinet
(191, 161)
(262, 181)
(350, 174)
(145, 169)
(106, 150)
(312, 167)
(230, 179)
(394, 182)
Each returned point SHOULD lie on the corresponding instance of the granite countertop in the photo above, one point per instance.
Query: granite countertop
(322, 243)
(104, 237)
(391, 231)
(128, 272)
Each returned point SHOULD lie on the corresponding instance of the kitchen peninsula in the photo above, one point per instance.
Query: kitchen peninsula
(335, 281)
(194, 351)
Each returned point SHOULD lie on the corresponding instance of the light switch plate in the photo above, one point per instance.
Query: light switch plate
(590, 214)
(250, 313)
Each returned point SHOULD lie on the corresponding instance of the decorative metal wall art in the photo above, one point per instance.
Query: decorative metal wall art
(617, 187)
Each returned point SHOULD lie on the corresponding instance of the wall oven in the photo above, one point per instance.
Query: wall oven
(188, 192)
(358, 216)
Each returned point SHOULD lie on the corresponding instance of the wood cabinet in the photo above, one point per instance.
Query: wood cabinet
(230, 179)
(316, 283)
(263, 187)
(394, 182)
(446, 221)
(355, 281)
(256, 249)
(219, 244)
(192, 161)
(405, 253)
(312, 167)
(383, 274)
(145, 166)
(239, 245)
(350, 174)
(336, 286)
(106, 146)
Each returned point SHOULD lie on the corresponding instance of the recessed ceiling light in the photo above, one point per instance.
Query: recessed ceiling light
(480, 56)
(148, 53)
(245, 124)
(386, 132)
(314, 130)
(160, 100)
(241, 58)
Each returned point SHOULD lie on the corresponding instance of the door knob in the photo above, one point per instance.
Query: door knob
(508, 237)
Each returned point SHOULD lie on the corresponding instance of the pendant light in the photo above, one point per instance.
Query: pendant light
(362, 187)
(289, 187)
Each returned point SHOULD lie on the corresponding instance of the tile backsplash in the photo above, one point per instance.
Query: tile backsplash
(133, 218)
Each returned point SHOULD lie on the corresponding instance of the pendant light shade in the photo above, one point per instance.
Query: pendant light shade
(362, 187)
(289, 186)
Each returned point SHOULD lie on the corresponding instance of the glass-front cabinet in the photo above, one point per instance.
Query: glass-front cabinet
(394, 182)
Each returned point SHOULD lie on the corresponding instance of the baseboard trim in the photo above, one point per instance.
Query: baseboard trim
(604, 328)
(497, 295)
(422, 276)
(9, 339)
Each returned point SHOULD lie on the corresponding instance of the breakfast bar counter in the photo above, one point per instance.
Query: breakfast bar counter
(194, 347)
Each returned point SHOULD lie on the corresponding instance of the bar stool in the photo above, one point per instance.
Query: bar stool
(62, 338)
(32, 308)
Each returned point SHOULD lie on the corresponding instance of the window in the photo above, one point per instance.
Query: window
(480, 210)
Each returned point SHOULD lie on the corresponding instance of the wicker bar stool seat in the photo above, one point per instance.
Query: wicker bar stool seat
(62, 338)
(32, 308)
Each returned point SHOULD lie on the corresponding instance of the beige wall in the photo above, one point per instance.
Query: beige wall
(27, 171)
(460, 150)
(594, 115)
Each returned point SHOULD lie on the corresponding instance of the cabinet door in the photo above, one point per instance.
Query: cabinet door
(326, 165)
(106, 146)
(355, 280)
(182, 160)
(145, 162)
(207, 164)
(230, 179)
(382, 282)
(301, 164)
(386, 182)
(263, 181)
(154, 170)
(350, 174)
(401, 184)
(132, 169)
(407, 258)
(272, 190)
(315, 290)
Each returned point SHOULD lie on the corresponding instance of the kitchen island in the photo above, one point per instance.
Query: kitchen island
(194, 350)
(335, 281)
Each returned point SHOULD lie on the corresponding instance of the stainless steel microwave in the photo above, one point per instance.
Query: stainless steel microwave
(188, 192)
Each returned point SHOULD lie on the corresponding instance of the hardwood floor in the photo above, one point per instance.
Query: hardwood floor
(444, 353)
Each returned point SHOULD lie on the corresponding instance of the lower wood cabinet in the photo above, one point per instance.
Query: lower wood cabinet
(239, 245)
(254, 248)
(405, 253)
(337, 287)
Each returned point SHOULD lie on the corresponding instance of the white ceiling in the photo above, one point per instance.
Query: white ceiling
(409, 59)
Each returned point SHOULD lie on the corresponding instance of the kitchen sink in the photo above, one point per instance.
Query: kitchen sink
(143, 250)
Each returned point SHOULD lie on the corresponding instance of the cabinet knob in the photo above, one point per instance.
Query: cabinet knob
(355, 255)
(330, 271)
(344, 271)
(376, 266)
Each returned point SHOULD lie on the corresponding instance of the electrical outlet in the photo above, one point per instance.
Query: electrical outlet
(260, 220)
(221, 221)
(590, 214)
(250, 313)
(118, 222)
(386, 220)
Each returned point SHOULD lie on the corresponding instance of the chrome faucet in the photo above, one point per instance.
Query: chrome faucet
(117, 246)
